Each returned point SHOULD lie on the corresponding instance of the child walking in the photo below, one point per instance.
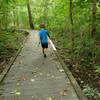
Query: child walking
(43, 38)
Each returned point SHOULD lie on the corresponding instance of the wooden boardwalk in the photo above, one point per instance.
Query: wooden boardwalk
(33, 77)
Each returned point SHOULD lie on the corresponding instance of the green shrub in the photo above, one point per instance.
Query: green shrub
(91, 93)
(10, 42)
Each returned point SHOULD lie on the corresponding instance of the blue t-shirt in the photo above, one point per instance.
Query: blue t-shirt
(43, 35)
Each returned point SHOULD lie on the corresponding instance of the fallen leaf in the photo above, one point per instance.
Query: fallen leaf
(13, 92)
(35, 71)
(40, 73)
(20, 62)
(48, 98)
(82, 82)
(32, 96)
(61, 70)
(36, 98)
(52, 76)
(18, 84)
(35, 76)
(24, 78)
(63, 93)
(74, 65)
(32, 80)
(12, 66)
(18, 93)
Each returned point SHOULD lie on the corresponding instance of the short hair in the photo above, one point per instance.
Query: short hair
(42, 25)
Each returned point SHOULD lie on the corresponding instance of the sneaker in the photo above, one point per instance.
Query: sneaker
(45, 55)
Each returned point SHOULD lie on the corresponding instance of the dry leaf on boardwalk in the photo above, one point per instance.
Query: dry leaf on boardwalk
(36, 98)
(32, 80)
(23, 78)
(53, 76)
(40, 74)
(35, 71)
(18, 84)
(18, 93)
(20, 62)
(12, 66)
(15, 92)
(48, 98)
(63, 93)
(61, 70)
(32, 97)
(35, 76)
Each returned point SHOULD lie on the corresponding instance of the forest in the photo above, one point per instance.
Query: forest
(74, 27)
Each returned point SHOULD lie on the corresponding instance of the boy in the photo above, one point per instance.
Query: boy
(43, 38)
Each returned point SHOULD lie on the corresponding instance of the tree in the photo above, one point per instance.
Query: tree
(72, 31)
(30, 15)
(93, 31)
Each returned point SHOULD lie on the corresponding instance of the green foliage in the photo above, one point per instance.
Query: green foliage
(91, 93)
(98, 69)
(13, 13)
(83, 47)
(10, 42)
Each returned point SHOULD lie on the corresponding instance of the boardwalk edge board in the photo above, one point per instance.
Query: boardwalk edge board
(74, 83)
(8, 67)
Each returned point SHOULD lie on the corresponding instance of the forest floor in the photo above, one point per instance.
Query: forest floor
(88, 79)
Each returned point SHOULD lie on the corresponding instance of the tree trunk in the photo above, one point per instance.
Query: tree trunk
(14, 17)
(72, 32)
(93, 31)
(30, 16)
(71, 16)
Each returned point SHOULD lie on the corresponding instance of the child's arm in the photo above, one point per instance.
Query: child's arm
(39, 40)
(48, 39)
(48, 34)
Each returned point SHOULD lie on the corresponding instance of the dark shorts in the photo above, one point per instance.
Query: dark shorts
(44, 45)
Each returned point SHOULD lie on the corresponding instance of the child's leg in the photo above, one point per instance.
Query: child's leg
(43, 50)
